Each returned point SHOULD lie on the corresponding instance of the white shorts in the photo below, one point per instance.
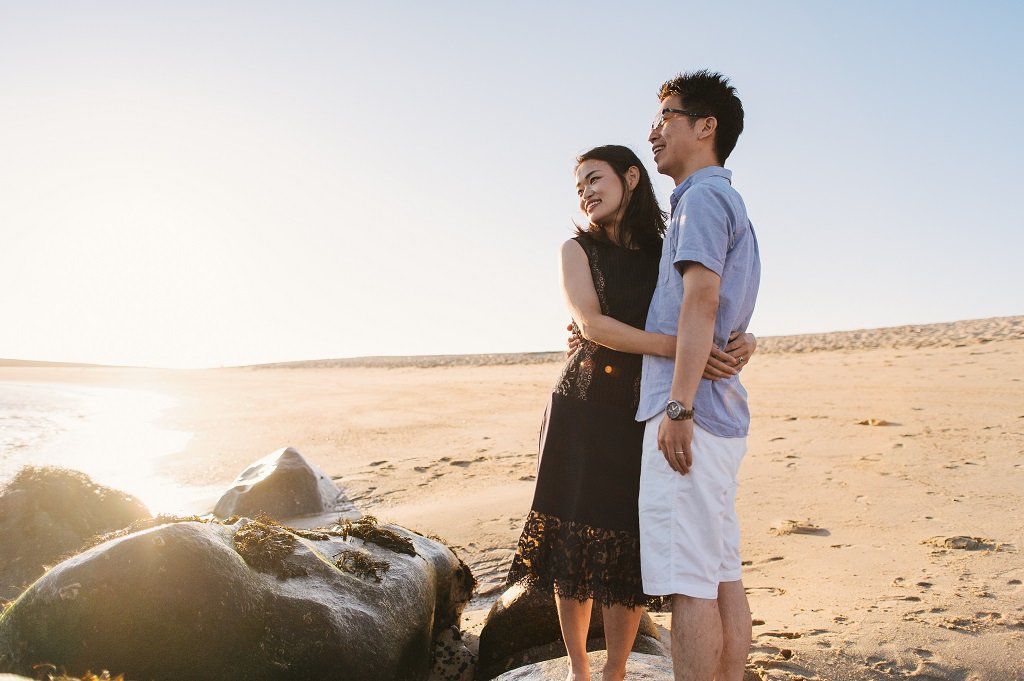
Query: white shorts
(689, 533)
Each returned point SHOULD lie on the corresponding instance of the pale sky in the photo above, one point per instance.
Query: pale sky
(216, 183)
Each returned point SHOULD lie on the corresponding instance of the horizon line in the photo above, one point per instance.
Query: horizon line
(392, 359)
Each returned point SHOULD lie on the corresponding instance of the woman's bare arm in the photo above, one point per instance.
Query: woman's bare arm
(581, 297)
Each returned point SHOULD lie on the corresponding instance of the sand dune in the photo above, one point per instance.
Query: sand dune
(881, 499)
(37, 364)
(945, 334)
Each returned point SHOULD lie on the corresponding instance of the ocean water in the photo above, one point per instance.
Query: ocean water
(114, 435)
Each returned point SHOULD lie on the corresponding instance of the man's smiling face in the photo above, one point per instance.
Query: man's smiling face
(676, 139)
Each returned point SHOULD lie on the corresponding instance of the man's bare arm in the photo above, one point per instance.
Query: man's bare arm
(694, 339)
(695, 335)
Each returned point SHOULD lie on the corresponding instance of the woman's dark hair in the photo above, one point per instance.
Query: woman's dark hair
(643, 221)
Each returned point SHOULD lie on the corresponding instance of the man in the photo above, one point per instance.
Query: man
(696, 429)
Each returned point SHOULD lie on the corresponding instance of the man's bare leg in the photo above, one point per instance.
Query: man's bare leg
(736, 630)
(620, 626)
(574, 619)
(696, 638)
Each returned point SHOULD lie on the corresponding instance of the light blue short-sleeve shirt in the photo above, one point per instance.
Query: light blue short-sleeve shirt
(709, 225)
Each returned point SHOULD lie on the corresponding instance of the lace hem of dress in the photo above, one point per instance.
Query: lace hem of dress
(581, 561)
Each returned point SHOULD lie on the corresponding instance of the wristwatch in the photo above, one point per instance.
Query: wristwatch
(678, 412)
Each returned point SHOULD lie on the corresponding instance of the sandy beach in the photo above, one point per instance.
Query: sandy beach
(880, 498)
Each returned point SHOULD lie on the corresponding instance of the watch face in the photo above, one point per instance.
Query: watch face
(674, 408)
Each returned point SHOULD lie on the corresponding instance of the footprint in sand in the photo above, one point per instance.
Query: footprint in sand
(767, 660)
(876, 422)
(966, 624)
(367, 494)
(462, 463)
(767, 590)
(784, 527)
(966, 543)
(782, 634)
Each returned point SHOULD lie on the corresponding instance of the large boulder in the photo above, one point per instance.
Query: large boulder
(47, 513)
(522, 628)
(282, 485)
(248, 600)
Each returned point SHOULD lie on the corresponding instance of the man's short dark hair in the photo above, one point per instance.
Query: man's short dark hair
(709, 92)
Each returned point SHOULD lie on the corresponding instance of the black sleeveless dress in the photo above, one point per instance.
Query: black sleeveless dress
(581, 537)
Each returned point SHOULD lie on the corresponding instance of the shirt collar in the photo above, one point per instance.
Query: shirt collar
(695, 177)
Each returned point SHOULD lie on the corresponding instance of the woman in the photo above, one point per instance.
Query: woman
(581, 537)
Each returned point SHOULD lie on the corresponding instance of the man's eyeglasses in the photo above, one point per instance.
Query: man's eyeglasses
(660, 120)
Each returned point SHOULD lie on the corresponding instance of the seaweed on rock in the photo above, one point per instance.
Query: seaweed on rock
(50, 672)
(266, 546)
(361, 563)
(367, 529)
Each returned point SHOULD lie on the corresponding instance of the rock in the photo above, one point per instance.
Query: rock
(784, 527)
(522, 628)
(53, 676)
(639, 667)
(195, 599)
(282, 485)
(453, 660)
(47, 513)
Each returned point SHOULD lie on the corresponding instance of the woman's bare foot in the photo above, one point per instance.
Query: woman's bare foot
(609, 675)
(577, 675)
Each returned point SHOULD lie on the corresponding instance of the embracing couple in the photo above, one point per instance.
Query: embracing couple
(644, 434)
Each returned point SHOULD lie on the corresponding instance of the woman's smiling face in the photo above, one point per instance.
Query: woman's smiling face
(600, 190)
